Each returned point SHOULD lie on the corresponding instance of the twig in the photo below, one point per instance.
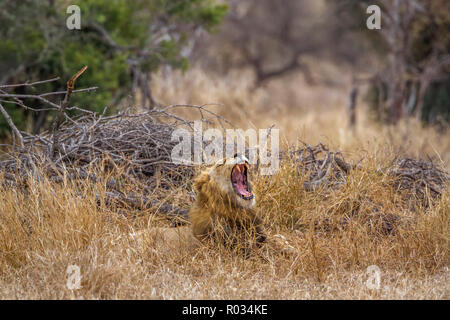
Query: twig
(12, 125)
(62, 110)
(65, 92)
(26, 84)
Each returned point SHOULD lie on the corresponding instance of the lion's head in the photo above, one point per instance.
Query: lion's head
(231, 177)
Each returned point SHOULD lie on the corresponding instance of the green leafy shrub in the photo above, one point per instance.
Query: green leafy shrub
(119, 41)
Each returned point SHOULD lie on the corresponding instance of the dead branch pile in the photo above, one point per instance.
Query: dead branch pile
(420, 180)
(326, 168)
(141, 143)
(138, 144)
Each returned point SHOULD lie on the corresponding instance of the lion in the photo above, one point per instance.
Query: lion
(224, 211)
(225, 205)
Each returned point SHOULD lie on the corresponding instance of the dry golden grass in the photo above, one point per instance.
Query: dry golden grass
(46, 227)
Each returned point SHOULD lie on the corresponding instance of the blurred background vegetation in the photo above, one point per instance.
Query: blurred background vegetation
(122, 42)
(404, 66)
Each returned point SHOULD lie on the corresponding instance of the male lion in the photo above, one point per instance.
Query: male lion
(224, 210)
(224, 207)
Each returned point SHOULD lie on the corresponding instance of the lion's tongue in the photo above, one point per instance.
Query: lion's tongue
(241, 189)
(238, 179)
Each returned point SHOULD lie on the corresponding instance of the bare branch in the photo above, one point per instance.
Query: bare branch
(26, 84)
(62, 110)
(65, 92)
(12, 125)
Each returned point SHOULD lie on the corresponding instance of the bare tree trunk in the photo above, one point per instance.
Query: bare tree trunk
(16, 131)
(352, 107)
(412, 98)
(39, 121)
(396, 85)
(420, 100)
(147, 91)
(62, 109)
(396, 106)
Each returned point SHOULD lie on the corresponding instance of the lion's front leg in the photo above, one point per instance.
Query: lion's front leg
(201, 223)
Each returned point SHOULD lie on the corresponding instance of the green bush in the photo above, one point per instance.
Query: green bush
(35, 44)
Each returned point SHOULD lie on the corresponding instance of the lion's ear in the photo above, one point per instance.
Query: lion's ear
(201, 181)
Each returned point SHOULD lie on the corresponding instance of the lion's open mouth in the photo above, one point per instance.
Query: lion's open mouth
(240, 182)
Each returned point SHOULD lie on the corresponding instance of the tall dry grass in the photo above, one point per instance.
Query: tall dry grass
(45, 227)
(309, 113)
